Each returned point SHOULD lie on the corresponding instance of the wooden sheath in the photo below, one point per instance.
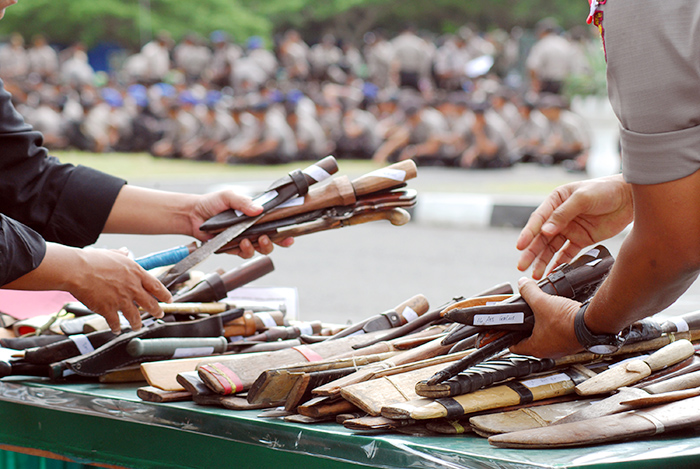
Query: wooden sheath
(324, 407)
(151, 394)
(301, 391)
(236, 373)
(525, 418)
(633, 371)
(425, 351)
(371, 396)
(634, 424)
(275, 384)
(512, 393)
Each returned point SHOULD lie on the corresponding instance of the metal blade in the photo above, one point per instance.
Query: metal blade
(205, 250)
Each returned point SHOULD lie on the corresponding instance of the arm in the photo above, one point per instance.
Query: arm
(147, 211)
(572, 217)
(658, 261)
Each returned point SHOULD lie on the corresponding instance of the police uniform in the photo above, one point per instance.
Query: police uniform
(653, 54)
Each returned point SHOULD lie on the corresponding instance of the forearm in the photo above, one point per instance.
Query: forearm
(659, 259)
(139, 210)
(645, 279)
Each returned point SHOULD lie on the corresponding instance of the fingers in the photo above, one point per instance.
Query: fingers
(243, 203)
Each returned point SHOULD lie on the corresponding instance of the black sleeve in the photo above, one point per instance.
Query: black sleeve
(59, 202)
(63, 203)
(21, 249)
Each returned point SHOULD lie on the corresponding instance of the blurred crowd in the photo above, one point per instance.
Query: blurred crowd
(469, 99)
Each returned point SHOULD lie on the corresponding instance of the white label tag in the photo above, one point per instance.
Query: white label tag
(316, 172)
(185, 352)
(293, 202)
(409, 314)
(551, 379)
(496, 319)
(389, 173)
(306, 328)
(82, 342)
(267, 319)
(681, 325)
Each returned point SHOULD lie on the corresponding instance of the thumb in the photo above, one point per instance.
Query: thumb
(529, 291)
(245, 204)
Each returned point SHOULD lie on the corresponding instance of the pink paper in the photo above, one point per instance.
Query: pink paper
(22, 304)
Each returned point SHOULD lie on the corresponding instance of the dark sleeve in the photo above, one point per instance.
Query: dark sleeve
(63, 203)
(21, 250)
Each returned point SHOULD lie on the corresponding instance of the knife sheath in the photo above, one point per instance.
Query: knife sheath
(301, 391)
(238, 373)
(634, 424)
(405, 312)
(630, 372)
(422, 352)
(511, 393)
(113, 354)
(525, 418)
(371, 396)
(485, 374)
(296, 183)
(275, 384)
(70, 346)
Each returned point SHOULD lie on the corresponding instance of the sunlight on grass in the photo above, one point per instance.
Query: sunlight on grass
(144, 166)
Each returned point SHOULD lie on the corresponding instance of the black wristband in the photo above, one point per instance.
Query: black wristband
(602, 344)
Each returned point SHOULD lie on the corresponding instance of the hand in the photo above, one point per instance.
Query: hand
(211, 204)
(105, 281)
(553, 335)
(574, 216)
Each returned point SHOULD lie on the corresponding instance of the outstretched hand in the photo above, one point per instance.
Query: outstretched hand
(574, 216)
(212, 204)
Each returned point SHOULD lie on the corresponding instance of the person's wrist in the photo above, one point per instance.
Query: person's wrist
(599, 343)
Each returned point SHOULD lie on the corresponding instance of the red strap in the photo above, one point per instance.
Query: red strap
(309, 354)
(227, 378)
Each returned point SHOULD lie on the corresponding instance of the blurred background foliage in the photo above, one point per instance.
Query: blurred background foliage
(131, 23)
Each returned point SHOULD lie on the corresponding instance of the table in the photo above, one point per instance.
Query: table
(107, 424)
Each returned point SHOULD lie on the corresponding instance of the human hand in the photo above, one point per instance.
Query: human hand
(108, 281)
(553, 334)
(574, 216)
(208, 205)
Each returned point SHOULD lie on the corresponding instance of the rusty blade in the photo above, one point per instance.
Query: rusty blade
(205, 250)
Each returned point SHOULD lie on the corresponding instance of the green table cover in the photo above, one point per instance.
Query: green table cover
(109, 424)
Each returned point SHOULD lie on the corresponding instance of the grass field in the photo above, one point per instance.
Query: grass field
(142, 165)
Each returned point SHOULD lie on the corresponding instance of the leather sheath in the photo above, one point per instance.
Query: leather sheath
(485, 374)
(23, 343)
(113, 354)
(71, 346)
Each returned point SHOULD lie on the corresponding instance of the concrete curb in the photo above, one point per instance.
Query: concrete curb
(473, 210)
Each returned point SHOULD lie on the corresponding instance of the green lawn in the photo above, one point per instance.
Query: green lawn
(141, 165)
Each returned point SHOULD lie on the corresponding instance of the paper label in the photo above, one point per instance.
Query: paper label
(496, 319)
(316, 172)
(306, 328)
(551, 379)
(409, 314)
(681, 325)
(389, 173)
(293, 202)
(82, 342)
(267, 319)
(185, 352)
